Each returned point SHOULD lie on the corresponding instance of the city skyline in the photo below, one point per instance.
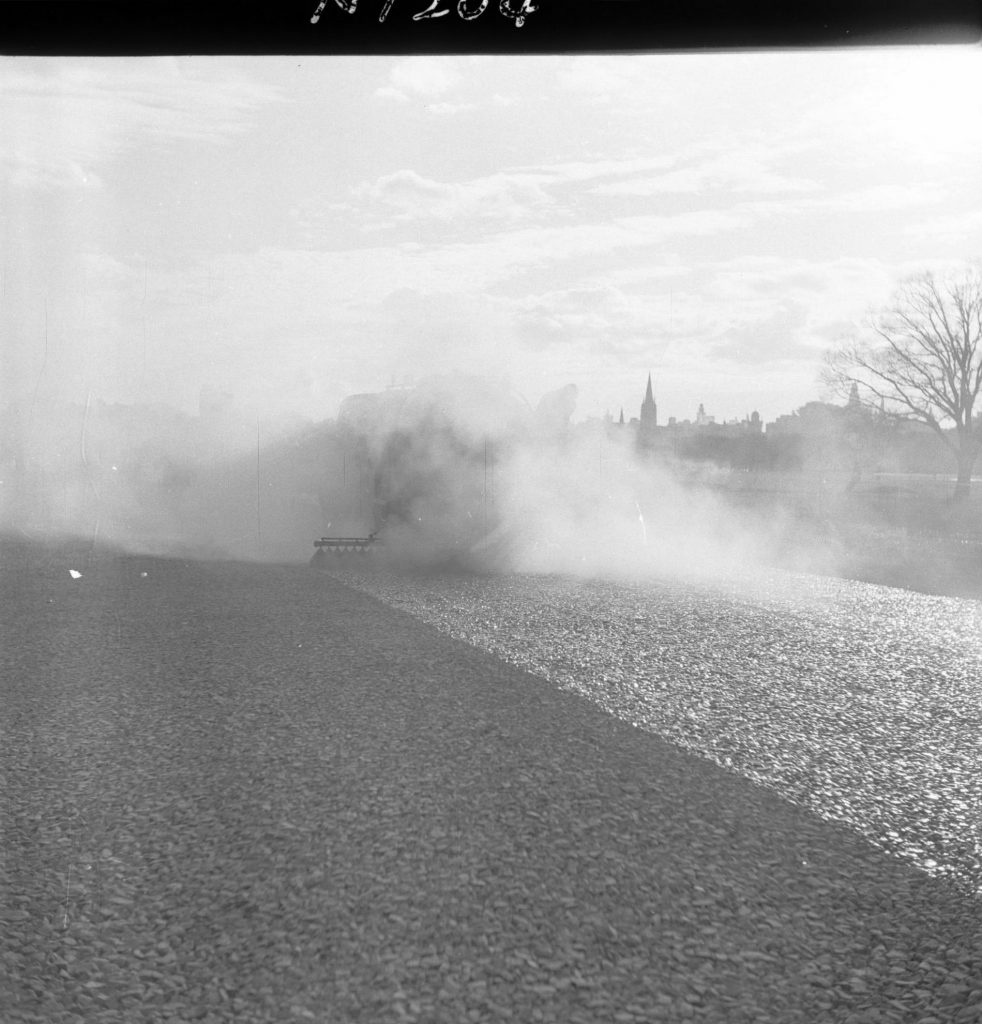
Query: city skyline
(294, 230)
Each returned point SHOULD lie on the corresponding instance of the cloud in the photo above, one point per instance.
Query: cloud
(839, 288)
(883, 197)
(448, 109)
(507, 262)
(730, 172)
(963, 230)
(601, 79)
(420, 78)
(407, 196)
(767, 313)
(664, 269)
(600, 318)
(774, 338)
(61, 121)
(570, 171)
(498, 263)
(913, 104)
(434, 332)
(509, 197)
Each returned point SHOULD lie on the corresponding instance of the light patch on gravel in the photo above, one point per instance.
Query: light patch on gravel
(860, 702)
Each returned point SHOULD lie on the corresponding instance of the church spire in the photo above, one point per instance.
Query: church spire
(649, 411)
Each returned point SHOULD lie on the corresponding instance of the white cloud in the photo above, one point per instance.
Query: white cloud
(389, 92)
(600, 317)
(448, 109)
(600, 167)
(885, 197)
(963, 230)
(873, 201)
(407, 196)
(61, 121)
(506, 196)
(840, 289)
(730, 172)
(504, 259)
(650, 228)
(920, 104)
(723, 168)
(420, 78)
(328, 312)
(497, 233)
(602, 78)
(665, 269)
(777, 336)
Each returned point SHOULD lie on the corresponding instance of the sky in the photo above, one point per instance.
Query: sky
(294, 230)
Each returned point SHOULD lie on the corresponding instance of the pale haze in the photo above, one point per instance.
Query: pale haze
(290, 231)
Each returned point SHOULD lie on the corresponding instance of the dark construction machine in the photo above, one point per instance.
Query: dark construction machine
(342, 546)
(419, 507)
(355, 503)
(415, 479)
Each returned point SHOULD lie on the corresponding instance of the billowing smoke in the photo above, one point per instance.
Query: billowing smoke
(455, 470)
(467, 472)
(141, 478)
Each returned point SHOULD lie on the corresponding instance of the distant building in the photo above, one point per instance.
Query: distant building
(818, 435)
(645, 429)
(702, 420)
(700, 439)
(649, 413)
(811, 418)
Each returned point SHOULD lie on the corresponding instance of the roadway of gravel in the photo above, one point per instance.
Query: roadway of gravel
(862, 702)
(251, 793)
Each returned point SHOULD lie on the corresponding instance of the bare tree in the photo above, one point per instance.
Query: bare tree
(921, 361)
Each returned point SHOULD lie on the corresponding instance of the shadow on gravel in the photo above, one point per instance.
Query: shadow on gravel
(248, 793)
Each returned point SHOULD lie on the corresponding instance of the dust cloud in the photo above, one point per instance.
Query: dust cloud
(456, 471)
(467, 473)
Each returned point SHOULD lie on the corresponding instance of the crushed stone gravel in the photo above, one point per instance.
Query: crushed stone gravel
(253, 793)
(861, 702)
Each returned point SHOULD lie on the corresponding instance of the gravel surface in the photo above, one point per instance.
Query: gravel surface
(861, 702)
(250, 793)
